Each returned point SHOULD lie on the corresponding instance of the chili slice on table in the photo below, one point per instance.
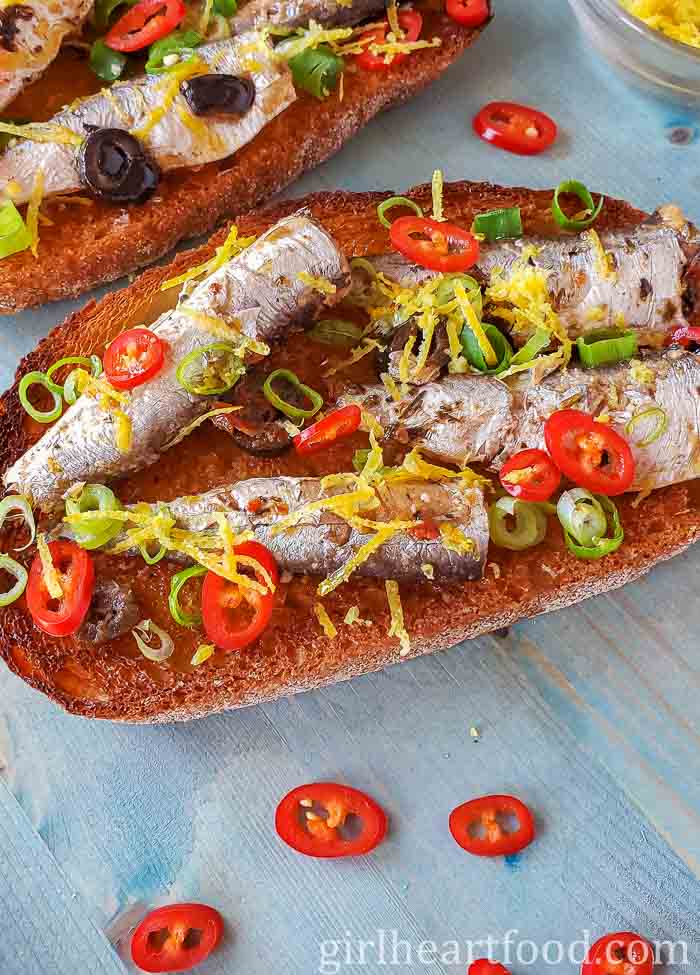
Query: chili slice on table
(133, 358)
(432, 248)
(530, 475)
(515, 128)
(76, 574)
(226, 606)
(411, 23)
(176, 938)
(145, 23)
(482, 815)
(484, 966)
(338, 424)
(623, 953)
(318, 820)
(468, 13)
(589, 453)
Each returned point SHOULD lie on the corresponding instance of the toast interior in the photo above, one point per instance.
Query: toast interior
(115, 682)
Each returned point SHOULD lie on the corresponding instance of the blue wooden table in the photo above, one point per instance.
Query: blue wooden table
(591, 715)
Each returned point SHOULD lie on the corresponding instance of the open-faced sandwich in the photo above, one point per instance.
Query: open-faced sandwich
(164, 116)
(338, 435)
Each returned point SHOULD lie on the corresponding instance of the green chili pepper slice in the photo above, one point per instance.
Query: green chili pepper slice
(14, 236)
(176, 584)
(499, 343)
(39, 379)
(534, 345)
(95, 497)
(336, 331)
(199, 371)
(21, 575)
(106, 63)
(529, 527)
(151, 559)
(499, 224)
(445, 291)
(105, 8)
(179, 42)
(396, 201)
(19, 503)
(606, 346)
(661, 417)
(587, 519)
(68, 390)
(582, 192)
(293, 412)
(317, 70)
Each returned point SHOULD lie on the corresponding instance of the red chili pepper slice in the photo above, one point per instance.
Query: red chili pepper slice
(77, 577)
(176, 938)
(321, 820)
(338, 424)
(434, 252)
(515, 128)
(133, 358)
(411, 23)
(623, 953)
(482, 815)
(530, 475)
(589, 453)
(226, 606)
(145, 23)
(484, 966)
(468, 13)
(688, 336)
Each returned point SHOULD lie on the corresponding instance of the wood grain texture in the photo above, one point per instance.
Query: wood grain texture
(591, 714)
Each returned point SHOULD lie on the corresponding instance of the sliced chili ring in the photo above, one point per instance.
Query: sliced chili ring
(145, 23)
(484, 966)
(623, 953)
(482, 815)
(411, 23)
(76, 574)
(468, 13)
(530, 475)
(133, 358)
(176, 938)
(515, 128)
(589, 453)
(319, 820)
(224, 603)
(338, 424)
(432, 248)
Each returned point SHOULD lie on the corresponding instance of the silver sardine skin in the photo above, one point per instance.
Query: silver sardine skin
(260, 288)
(298, 13)
(171, 142)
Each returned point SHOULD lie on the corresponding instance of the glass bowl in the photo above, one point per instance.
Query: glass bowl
(647, 57)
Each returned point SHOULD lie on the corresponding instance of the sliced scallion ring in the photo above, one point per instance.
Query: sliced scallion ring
(143, 632)
(580, 190)
(499, 224)
(176, 584)
(445, 291)
(591, 524)
(17, 502)
(396, 201)
(20, 574)
(211, 370)
(14, 236)
(474, 353)
(95, 497)
(93, 363)
(534, 345)
(40, 379)
(151, 559)
(336, 331)
(293, 412)
(517, 525)
(606, 347)
(658, 430)
(362, 264)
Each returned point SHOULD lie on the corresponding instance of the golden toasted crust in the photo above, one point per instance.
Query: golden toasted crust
(87, 246)
(294, 655)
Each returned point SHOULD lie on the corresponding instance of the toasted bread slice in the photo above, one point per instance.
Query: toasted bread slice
(115, 682)
(89, 245)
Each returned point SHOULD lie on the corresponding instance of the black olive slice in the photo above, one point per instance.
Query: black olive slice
(114, 166)
(218, 94)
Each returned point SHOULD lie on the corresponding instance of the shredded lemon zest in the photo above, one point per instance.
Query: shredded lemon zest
(359, 352)
(110, 400)
(206, 15)
(230, 248)
(322, 285)
(353, 616)
(454, 539)
(392, 15)
(33, 205)
(389, 384)
(203, 652)
(325, 621)
(397, 626)
(43, 132)
(427, 324)
(437, 188)
(640, 374)
(49, 572)
(602, 257)
(169, 90)
(228, 330)
(404, 361)
(199, 129)
(186, 431)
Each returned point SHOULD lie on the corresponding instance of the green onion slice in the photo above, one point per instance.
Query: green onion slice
(499, 343)
(606, 346)
(17, 502)
(211, 370)
(591, 524)
(336, 331)
(176, 584)
(68, 389)
(583, 193)
(106, 63)
(293, 412)
(40, 379)
(20, 574)
(226, 8)
(143, 633)
(396, 201)
(445, 291)
(359, 459)
(517, 525)
(14, 236)
(659, 415)
(151, 559)
(499, 224)
(534, 345)
(362, 264)
(317, 70)
(178, 42)
(95, 497)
